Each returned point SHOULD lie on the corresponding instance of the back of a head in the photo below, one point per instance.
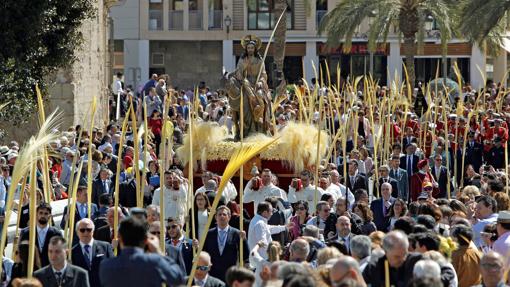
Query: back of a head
(427, 268)
(300, 280)
(361, 246)
(239, 274)
(463, 234)
(289, 270)
(312, 231)
(299, 249)
(426, 282)
(26, 282)
(395, 238)
(133, 232)
(427, 220)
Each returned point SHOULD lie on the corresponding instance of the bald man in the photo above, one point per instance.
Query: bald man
(492, 268)
(345, 268)
(202, 277)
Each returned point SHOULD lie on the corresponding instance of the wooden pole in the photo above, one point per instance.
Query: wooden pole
(33, 218)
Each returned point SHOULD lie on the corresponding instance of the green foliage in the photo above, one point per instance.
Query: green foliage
(485, 23)
(38, 37)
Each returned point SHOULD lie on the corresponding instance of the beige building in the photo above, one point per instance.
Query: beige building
(197, 40)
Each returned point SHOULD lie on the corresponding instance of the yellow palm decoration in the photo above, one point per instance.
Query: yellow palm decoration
(241, 156)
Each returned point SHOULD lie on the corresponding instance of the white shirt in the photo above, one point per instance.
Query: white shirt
(307, 194)
(62, 271)
(202, 282)
(41, 235)
(259, 230)
(175, 201)
(230, 191)
(3, 191)
(258, 196)
(338, 191)
(91, 243)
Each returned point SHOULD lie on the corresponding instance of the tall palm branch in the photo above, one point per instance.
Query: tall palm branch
(484, 22)
(407, 16)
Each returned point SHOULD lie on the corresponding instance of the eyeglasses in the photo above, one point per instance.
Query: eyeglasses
(491, 266)
(155, 232)
(486, 234)
(203, 268)
(301, 208)
(427, 188)
(83, 230)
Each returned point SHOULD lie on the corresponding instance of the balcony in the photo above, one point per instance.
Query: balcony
(195, 20)
(216, 20)
(318, 16)
(176, 20)
(155, 20)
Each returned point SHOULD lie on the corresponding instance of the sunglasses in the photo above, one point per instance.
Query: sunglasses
(155, 232)
(203, 268)
(83, 230)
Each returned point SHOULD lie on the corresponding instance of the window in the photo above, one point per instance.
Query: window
(155, 14)
(321, 8)
(261, 14)
(175, 15)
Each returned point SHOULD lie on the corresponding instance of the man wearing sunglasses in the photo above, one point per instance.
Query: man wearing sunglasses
(202, 277)
(89, 253)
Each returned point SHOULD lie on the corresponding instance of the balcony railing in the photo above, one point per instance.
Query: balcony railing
(176, 20)
(155, 20)
(216, 20)
(195, 20)
(319, 15)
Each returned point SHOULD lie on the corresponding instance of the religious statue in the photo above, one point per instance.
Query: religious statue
(249, 80)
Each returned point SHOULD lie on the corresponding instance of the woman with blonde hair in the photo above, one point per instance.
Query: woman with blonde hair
(274, 252)
(326, 254)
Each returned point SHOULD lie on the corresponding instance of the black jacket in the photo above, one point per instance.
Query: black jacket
(374, 273)
(73, 276)
(52, 231)
(100, 251)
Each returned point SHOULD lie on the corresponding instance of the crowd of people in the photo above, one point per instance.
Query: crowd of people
(434, 211)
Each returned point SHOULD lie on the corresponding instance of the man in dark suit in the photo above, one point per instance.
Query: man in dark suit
(409, 161)
(400, 262)
(171, 251)
(81, 210)
(89, 253)
(343, 232)
(202, 277)
(440, 174)
(222, 243)
(60, 273)
(355, 180)
(400, 175)
(43, 232)
(384, 176)
(474, 152)
(409, 137)
(101, 185)
(133, 267)
(381, 206)
(177, 240)
(105, 233)
(325, 220)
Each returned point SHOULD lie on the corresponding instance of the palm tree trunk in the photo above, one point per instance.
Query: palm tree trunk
(410, 51)
(279, 39)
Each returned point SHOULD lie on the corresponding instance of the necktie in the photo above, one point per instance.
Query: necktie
(409, 165)
(352, 182)
(105, 186)
(86, 254)
(58, 276)
(40, 238)
(222, 236)
(83, 210)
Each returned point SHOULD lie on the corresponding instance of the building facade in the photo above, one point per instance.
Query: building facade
(197, 40)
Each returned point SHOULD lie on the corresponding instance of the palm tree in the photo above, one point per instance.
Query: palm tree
(407, 16)
(484, 22)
